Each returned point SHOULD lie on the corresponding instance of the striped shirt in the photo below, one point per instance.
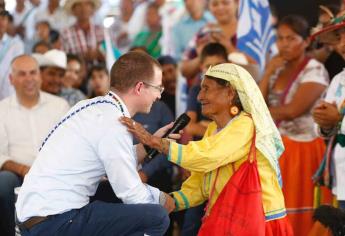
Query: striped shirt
(77, 41)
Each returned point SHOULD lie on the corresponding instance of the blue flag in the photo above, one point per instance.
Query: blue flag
(256, 37)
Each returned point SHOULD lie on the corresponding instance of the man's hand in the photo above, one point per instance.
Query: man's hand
(15, 167)
(326, 115)
(169, 203)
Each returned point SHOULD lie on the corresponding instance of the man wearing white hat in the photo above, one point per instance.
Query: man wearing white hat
(84, 37)
(26, 118)
(53, 66)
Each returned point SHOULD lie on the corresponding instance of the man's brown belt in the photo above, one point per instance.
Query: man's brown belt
(32, 222)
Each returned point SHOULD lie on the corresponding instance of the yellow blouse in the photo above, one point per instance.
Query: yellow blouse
(220, 150)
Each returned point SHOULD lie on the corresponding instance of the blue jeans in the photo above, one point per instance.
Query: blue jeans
(192, 220)
(342, 204)
(101, 218)
(8, 181)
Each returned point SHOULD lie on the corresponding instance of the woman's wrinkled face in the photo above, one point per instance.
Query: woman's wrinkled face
(290, 44)
(214, 98)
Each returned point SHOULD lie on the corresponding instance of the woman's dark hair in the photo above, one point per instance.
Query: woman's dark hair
(41, 43)
(298, 24)
(54, 35)
(213, 49)
(236, 100)
(98, 67)
(73, 57)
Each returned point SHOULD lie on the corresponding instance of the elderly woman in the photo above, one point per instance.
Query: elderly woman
(292, 85)
(240, 122)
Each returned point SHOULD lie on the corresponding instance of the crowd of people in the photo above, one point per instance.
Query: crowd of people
(54, 58)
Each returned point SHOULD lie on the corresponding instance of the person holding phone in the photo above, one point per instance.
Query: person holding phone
(222, 31)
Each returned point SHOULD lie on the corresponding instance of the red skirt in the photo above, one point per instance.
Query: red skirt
(279, 227)
(298, 164)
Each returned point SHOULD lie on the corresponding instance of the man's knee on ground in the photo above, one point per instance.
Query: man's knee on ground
(163, 215)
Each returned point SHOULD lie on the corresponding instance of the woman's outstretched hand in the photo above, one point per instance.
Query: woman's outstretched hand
(137, 130)
(145, 137)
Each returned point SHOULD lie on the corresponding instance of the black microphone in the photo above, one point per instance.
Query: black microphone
(179, 124)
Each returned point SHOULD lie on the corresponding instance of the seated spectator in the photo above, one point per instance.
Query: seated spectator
(11, 29)
(84, 37)
(175, 86)
(196, 17)
(169, 80)
(26, 118)
(149, 37)
(81, 81)
(100, 81)
(55, 15)
(41, 47)
(42, 31)
(71, 80)
(10, 47)
(55, 40)
(73, 72)
(23, 18)
(123, 24)
(42, 34)
(53, 66)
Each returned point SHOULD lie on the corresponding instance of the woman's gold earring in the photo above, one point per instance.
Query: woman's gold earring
(234, 110)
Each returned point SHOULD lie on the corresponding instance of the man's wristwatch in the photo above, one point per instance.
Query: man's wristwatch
(162, 198)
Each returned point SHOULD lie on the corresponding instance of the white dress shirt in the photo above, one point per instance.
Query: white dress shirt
(88, 143)
(9, 48)
(22, 130)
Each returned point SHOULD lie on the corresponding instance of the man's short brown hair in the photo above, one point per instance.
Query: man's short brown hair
(130, 69)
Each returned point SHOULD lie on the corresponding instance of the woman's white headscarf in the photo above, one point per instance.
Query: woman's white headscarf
(268, 139)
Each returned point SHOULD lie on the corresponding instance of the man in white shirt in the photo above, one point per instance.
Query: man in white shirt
(26, 118)
(87, 144)
(9, 48)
